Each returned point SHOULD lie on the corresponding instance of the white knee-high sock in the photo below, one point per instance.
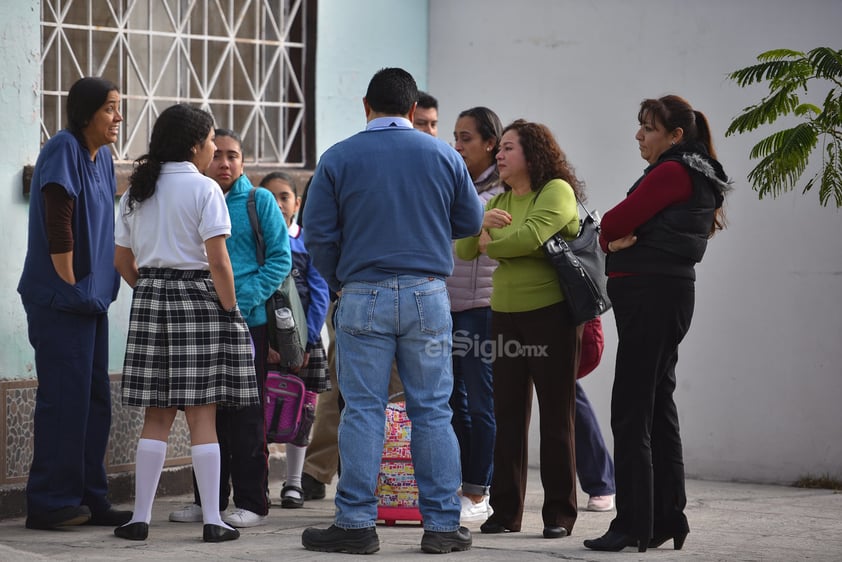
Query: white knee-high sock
(295, 466)
(206, 459)
(149, 462)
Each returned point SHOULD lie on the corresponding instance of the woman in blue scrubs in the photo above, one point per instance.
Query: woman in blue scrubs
(67, 284)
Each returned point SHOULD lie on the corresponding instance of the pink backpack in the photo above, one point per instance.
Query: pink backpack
(289, 409)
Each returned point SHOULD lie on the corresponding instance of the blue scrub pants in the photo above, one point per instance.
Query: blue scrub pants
(72, 410)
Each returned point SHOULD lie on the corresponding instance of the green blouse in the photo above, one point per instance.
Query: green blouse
(525, 280)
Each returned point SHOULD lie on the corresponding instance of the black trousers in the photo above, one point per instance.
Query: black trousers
(242, 444)
(548, 358)
(653, 315)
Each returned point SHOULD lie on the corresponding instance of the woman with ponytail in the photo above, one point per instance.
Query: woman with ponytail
(188, 345)
(654, 238)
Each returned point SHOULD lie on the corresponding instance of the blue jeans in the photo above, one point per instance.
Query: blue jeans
(593, 462)
(406, 319)
(472, 400)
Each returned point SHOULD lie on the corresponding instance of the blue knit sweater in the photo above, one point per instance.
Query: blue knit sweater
(388, 201)
(254, 283)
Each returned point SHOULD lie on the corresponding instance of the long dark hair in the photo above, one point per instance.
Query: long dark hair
(176, 131)
(84, 99)
(544, 157)
(488, 125)
(675, 112)
(672, 112)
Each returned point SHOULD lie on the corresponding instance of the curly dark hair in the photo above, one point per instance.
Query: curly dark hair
(544, 157)
(176, 131)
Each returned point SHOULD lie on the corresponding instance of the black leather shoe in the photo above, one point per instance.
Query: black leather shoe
(63, 517)
(551, 532)
(614, 541)
(435, 542)
(137, 531)
(491, 527)
(313, 489)
(677, 540)
(291, 502)
(110, 517)
(218, 533)
(337, 539)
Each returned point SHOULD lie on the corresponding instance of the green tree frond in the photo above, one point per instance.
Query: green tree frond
(779, 54)
(806, 108)
(772, 71)
(831, 186)
(784, 155)
(789, 145)
(767, 111)
(827, 63)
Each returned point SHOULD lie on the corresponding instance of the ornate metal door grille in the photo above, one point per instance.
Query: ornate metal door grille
(246, 61)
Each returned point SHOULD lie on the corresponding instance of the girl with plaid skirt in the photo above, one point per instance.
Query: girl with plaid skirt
(188, 345)
(315, 298)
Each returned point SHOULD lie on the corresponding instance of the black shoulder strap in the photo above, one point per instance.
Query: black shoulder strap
(255, 227)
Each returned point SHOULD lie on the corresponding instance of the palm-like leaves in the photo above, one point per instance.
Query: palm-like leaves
(784, 155)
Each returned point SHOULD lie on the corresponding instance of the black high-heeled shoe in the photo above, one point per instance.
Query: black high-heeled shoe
(614, 541)
(677, 540)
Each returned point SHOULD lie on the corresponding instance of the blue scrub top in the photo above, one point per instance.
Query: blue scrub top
(92, 185)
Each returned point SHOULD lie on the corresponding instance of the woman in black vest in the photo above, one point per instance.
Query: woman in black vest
(654, 238)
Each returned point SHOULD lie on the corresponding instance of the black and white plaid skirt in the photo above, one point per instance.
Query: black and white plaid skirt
(182, 348)
(314, 374)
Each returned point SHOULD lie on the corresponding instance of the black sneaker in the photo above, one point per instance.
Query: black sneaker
(313, 489)
(434, 542)
(63, 517)
(336, 539)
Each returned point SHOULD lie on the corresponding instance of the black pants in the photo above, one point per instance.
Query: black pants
(550, 359)
(242, 444)
(653, 315)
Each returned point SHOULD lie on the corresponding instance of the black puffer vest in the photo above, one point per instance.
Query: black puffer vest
(674, 241)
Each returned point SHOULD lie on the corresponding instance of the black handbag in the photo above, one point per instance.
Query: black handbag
(580, 265)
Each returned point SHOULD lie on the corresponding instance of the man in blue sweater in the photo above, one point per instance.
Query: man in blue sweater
(382, 209)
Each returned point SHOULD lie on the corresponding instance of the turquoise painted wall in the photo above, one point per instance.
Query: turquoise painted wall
(19, 77)
(355, 40)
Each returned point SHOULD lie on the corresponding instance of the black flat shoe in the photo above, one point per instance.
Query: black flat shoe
(551, 532)
(291, 502)
(62, 517)
(137, 531)
(110, 517)
(677, 540)
(614, 541)
(492, 528)
(218, 533)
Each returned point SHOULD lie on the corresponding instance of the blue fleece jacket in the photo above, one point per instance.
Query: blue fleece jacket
(312, 288)
(254, 283)
(388, 201)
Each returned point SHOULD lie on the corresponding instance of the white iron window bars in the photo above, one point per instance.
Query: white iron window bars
(242, 60)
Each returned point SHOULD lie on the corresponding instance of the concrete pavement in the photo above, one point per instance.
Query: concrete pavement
(729, 522)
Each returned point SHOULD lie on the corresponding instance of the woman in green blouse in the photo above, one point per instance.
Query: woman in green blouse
(534, 340)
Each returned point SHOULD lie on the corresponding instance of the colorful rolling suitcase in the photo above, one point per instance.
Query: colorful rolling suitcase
(397, 490)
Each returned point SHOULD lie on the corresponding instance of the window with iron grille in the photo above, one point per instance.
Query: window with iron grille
(248, 62)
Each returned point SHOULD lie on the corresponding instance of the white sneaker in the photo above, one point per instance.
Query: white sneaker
(601, 503)
(471, 511)
(189, 514)
(244, 518)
